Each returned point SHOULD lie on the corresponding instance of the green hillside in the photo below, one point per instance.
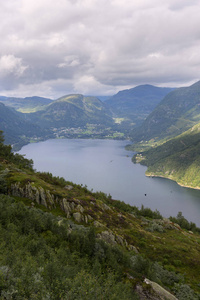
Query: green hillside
(176, 113)
(177, 159)
(26, 105)
(61, 241)
(72, 111)
(134, 105)
(16, 129)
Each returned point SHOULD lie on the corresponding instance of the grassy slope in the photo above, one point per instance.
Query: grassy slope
(174, 248)
(15, 127)
(178, 159)
(26, 105)
(72, 111)
(176, 113)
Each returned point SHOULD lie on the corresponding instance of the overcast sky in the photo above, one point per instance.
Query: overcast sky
(51, 48)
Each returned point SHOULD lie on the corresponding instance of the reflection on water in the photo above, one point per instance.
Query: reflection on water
(104, 165)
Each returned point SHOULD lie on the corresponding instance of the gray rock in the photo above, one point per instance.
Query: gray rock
(160, 291)
(90, 218)
(42, 196)
(38, 195)
(69, 187)
(50, 198)
(98, 224)
(65, 205)
(86, 219)
(107, 236)
(105, 207)
(80, 208)
(119, 240)
(78, 217)
(133, 248)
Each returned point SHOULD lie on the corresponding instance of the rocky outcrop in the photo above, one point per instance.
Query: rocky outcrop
(38, 195)
(72, 208)
(160, 291)
(67, 207)
(113, 239)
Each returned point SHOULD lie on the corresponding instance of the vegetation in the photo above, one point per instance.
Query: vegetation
(177, 159)
(26, 105)
(132, 106)
(17, 129)
(176, 113)
(72, 111)
(48, 253)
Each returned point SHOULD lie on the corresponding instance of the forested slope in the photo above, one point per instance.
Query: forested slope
(177, 159)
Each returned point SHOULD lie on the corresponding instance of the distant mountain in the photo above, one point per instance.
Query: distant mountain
(178, 159)
(72, 111)
(15, 128)
(28, 104)
(137, 103)
(176, 113)
(103, 98)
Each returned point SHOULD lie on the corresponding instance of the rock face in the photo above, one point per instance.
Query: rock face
(38, 195)
(160, 291)
(44, 197)
(113, 239)
(72, 208)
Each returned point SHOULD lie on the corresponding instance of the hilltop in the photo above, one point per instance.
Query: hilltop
(26, 105)
(72, 111)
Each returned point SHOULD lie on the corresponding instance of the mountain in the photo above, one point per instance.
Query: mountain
(103, 98)
(72, 111)
(137, 103)
(16, 128)
(177, 159)
(61, 241)
(28, 104)
(176, 113)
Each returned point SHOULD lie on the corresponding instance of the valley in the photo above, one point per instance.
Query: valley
(137, 242)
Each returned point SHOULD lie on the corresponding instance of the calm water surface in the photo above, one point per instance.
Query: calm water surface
(104, 165)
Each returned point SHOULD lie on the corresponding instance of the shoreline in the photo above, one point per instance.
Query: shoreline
(180, 184)
(18, 146)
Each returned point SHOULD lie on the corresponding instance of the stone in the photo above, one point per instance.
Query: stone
(119, 240)
(90, 218)
(50, 198)
(65, 205)
(42, 196)
(98, 224)
(78, 217)
(86, 219)
(133, 248)
(105, 207)
(69, 187)
(107, 236)
(160, 291)
(80, 208)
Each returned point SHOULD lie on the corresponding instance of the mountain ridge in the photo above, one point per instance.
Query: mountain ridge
(176, 113)
(137, 103)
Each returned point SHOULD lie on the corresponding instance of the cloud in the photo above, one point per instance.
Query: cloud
(9, 64)
(97, 47)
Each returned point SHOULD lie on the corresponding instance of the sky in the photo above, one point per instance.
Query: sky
(52, 48)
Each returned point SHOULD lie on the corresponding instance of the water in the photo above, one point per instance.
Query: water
(104, 165)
